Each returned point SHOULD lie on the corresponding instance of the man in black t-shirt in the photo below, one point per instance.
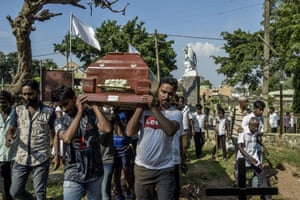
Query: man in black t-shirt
(79, 128)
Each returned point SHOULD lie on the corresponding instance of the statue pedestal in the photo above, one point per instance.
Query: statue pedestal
(191, 88)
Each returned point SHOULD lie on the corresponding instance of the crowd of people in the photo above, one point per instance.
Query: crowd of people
(243, 128)
(122, 154)
(289, 121)
(96, 146)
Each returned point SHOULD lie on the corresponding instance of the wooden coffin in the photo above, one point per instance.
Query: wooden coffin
(118, 79)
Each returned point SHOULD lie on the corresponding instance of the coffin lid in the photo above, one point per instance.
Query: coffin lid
(120, 59)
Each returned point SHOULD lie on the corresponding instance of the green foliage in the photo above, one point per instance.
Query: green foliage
(280, 156)
(8, 66)
(206, 83)
(244, 61)
(46, 64)
(286, 33)
(243, 66)
(296, 100)
(115, 38)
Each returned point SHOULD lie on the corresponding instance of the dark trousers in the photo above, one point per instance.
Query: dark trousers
(147, 181)
(221, 141)
(5, 170)
(199, 141)
(274, 130)
(177, 182)
(262, 178)
(235, 144)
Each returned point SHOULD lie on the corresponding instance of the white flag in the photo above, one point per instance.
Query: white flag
(132, 49)
(84, 32)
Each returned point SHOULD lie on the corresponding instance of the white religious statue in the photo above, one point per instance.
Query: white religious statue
(190, 60)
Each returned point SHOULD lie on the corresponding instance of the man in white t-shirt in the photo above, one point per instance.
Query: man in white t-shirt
(156, 123)
(179, 163)
(188, 126)
(199, 120)
(273, 120)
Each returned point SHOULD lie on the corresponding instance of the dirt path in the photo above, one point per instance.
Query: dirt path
(288, 182)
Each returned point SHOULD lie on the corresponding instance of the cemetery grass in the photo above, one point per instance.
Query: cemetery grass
(204, 172)
(281, 166)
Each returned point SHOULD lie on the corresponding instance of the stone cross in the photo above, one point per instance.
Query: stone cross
(241, 191)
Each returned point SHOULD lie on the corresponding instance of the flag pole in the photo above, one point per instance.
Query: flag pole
(70, 34)
(157, 56)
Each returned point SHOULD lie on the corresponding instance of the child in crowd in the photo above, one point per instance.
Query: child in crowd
(247, 148)
(222, 131)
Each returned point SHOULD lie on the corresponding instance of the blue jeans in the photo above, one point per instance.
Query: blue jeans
(106, 181)
(20, 175)
(74, 190)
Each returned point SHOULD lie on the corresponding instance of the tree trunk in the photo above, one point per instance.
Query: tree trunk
(21, 28)
(25, 63)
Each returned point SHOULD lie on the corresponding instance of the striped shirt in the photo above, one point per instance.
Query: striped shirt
(237, 116)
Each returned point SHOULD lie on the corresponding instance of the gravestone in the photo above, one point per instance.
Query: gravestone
(190, 78)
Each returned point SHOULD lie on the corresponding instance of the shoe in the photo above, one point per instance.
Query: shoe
(267, 197)
(199, 156)
(129, 196)
(117, 197)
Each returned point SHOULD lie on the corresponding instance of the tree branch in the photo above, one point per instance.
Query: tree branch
(108, 4)
(8, 17)
(72, 2)
(45, 15)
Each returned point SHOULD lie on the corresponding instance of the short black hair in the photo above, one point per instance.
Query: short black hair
(198, 106)
(221, 110)
(169, 80)
(6, 95)
(31, 83)
(62, 93)
(259, 105)
(176, 97)
(181, 98)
